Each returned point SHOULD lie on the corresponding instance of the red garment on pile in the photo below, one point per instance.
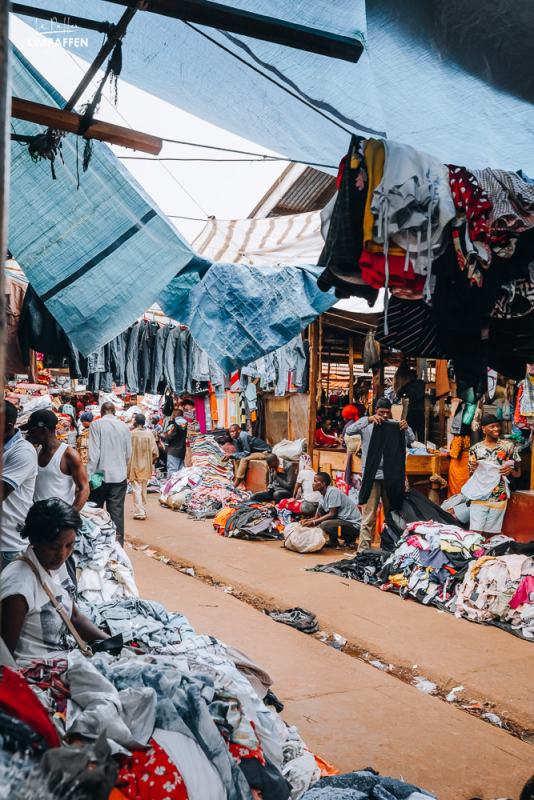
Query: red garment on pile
(523, 593)
(151, 775)
(290, 505)
(373, 267)
(18, 700)
(470, 199)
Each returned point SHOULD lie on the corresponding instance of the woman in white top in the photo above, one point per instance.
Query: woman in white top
(31, 626)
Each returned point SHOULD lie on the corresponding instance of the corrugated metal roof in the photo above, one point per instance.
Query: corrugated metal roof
(310, 192)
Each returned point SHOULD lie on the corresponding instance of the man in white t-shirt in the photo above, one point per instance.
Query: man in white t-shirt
(19, 471)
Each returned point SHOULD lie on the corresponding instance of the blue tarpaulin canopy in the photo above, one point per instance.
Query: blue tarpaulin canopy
(440, 76)
(100, 254)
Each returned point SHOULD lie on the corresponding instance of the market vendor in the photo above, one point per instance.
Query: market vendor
(487, 516)
(32, 628)
(281, 481)
(337, 515)
(247, 448)
(365, 428)
(325, 435)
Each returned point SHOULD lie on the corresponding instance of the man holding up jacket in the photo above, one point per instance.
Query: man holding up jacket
(365, 427)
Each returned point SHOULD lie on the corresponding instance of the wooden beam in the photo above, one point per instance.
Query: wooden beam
(351, 369)
(257, 26)
(117, 33)
(378, 377)
(67, 121)
(313, 342)
(60, 18)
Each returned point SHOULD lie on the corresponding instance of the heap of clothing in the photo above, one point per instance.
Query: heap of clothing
(499, 588)
(189, 716)
(247, 521)
(364, 785)
(453, 248)
(141, 622)
(178, 488)
(104, 572)
(207, 501)
(430, 560)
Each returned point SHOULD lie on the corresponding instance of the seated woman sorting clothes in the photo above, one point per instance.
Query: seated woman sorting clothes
(32, 628)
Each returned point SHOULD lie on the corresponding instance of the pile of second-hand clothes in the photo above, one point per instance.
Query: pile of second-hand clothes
(430, 560)
(185, 716)
(104, 572)
(499, 589)
(247, 521)
(205, 487)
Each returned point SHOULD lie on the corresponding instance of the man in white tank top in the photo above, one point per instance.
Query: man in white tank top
(61, 472)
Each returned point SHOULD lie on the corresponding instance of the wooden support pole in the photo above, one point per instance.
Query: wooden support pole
(351, 369)
(313, 377)
(532, 467)
(5, 151)
(67, 121)
(247, 23)
(118, 32)
(378, 377)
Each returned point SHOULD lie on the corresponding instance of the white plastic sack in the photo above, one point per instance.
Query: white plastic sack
(302, 539)
(289, 451)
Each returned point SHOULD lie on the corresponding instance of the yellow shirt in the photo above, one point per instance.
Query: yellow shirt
(144, 449)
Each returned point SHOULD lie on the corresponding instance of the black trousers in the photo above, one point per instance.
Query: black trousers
(348, 532)
(270, 495)
(113, 495)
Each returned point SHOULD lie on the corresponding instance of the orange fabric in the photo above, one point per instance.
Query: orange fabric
(375, 155)
(220, 520)
(116, 795)
(325, 767)
(458, 473)
(213, 408)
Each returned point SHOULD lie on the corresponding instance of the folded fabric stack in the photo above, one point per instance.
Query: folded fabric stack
(140, 621)
(246, 521)
(429, 560)
(207, 455)
(103, 570)
(499, 589)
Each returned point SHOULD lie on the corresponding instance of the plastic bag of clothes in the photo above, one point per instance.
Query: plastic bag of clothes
(302, 539)
(288, 450)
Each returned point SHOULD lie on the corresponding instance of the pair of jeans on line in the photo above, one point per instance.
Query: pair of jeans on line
(113, 495)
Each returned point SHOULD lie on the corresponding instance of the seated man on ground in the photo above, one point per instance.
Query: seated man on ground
(281, 481)
(247, 448)
(32, 628)
(325, 436)
(337, 515)
(303, 492)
